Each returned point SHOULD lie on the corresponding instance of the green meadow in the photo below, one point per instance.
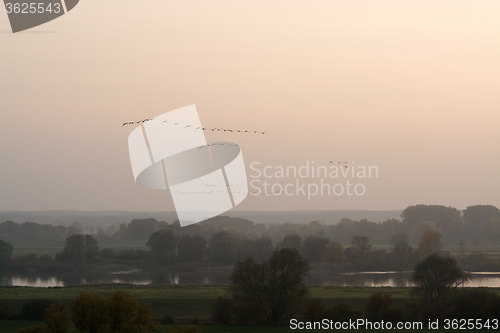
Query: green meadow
(186, 302)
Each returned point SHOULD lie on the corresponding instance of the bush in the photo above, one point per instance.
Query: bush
(56, 318)
(245, 312)
(35, 309)
(167, 320)
(107, 253)
(130, 254)
(221, 310)
(379, 307)
(314, 310)
(186, 329)
(5, 311)
(341, 312)
(477, 303)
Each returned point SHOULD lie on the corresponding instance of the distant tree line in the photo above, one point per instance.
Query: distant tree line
(475, 222)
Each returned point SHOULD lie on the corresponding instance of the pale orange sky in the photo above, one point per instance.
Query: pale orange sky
(411, 87)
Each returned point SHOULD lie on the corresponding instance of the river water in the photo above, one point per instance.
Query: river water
(322, 278)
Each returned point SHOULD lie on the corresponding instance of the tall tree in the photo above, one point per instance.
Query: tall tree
(483, 220)
(260, 249)
(293, 241)
(401, 248)
(314, 248)
(56, 318)
(276, 286)
(191, 248)
(461, 249)
(429, 243)
(163, 244)
(361, 244)
(224, 247)
(334, 252)
(79, 247)
(6, 250)
(435, 276)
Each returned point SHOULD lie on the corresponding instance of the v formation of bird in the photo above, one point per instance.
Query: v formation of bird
(196, 128)
(213, 129)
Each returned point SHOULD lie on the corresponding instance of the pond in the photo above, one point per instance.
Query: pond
(315, 278)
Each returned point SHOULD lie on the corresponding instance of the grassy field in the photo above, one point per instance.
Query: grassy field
(185, 302)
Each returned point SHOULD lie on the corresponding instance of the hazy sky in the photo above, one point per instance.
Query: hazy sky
(411, 87)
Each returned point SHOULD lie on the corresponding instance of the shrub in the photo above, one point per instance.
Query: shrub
(130, 254)
(107, 253)
(379, 307)
(167, 319)
(245, 312)
(341, 312)
(186, 329)
(120, 313)
(477, 303)
(56, 318)
(221, 310)
(314, 310)
(35, 309)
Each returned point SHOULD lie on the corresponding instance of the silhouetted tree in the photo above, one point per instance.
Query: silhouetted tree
(191, 248)
(334, 252)
(224, 247)
(401, 249)
(6, 251)
(361, 244)
(379, 306)
(482, 220)
(56, 318)
(293, 241)
(78, 247)
(121, 313)
(314, 247)
(260, 249)
(276, 286)
(461, 249)
(436, 276)
(429, 243)
(163, 244)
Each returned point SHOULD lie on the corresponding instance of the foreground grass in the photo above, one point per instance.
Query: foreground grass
(186, 302)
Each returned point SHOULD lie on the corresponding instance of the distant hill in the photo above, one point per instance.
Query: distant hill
(109, 217)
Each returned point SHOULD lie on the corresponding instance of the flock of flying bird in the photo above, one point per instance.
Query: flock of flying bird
(226, 191)
(213, 130)
(345, 163)
(197, 128)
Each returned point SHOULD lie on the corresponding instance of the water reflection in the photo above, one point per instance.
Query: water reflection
(359, 279)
